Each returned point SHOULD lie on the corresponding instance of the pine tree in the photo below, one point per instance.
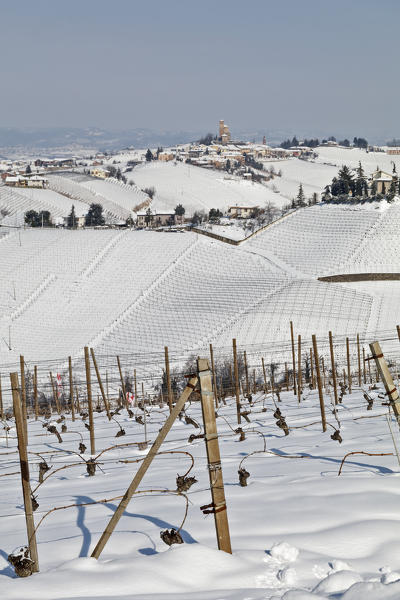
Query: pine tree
(149, 155)
(300, 198)
(94, 216)
(71, 219)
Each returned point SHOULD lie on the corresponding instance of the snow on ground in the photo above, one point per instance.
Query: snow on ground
(137, 291)
(124, 195)
(298, 530)
(337, 157)
(313, 177)
(61, 204)
(197, 188)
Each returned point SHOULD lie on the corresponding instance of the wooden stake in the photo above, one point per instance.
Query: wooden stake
(143, 468)
(364, 370)
(55, 394)
(71, 389)
(319, 383)
(391, 390)
(236, 371)
(398, 331)
(1, 402)
(293, 358)
(264, 375)
(231, 377)
(78, 404)
(169, 389)
(213, 376)
(218, 506)
(25, 478)
(312, 369)
(122, 382)
(246, 372)
(348, 363)
(103, 395)
(23, 396)
(35, 392)
(299, 373)
(89, 399)
(135, 382)
(333, 367)
(359, 360)
(287, 377)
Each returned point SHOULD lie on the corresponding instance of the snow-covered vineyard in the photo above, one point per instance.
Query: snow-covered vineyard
(307, 525)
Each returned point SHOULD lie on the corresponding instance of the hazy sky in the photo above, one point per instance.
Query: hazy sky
(303, 65)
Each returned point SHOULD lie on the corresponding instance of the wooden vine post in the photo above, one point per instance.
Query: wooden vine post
(99, 381)
(89, 399)
(359, 360)
(1, 402)
(391, 390)
(246, 372)
(264, 375)
(213, 376)
(364, 370)
(122, 382)
(25, 478)
(293, 358)
(23, 395)
(135, 382)
(319, 383)
(236, 373)
(286, 377)
(398, 331)
(55, 394)
(312, 370)
(218, 505)
(333, 368)
(144, 467)
(348, 364)
(71, 389)
(35, 392)
(299, 373)
(168, 376)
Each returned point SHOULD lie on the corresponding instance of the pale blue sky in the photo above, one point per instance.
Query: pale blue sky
(308, 66)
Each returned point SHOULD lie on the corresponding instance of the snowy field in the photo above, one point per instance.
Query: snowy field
(298, 530)
(137, 291)
(197, 188)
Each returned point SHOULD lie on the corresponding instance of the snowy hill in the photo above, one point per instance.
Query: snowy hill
(198, 188)
(139, 290)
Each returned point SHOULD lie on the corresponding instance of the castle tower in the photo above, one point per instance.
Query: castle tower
(221, 128)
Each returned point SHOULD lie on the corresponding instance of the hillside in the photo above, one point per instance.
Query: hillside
(137, 291)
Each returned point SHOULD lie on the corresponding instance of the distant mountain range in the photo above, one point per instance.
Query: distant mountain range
(69, 141)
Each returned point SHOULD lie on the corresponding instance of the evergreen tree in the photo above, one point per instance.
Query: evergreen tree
(94, 216)
(149, 155)
(392, 189)
(300, 198)
(149, 217)
(28, 170)
(179, 210)
(374, 189)
(71, 219)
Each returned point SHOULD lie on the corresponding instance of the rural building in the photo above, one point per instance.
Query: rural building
(149, 218)
(79, 221)
(241, 212)
(101, 173)
(382, 180)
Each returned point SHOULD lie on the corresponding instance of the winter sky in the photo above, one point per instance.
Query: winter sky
(307, 66)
